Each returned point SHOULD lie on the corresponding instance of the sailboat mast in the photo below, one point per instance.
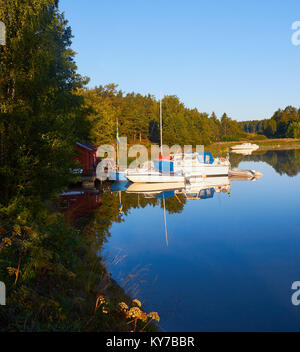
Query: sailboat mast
(161, 135)
(117, 144)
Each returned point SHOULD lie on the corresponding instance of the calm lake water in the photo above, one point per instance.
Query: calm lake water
(228, 261)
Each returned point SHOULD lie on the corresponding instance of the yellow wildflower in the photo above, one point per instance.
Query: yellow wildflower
(100, 300)
(123, 306)
(154, 315)
(137, 302)
(144, 316)
(134, 312)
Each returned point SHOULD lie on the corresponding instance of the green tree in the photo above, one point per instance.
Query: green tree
(41, 116)
(294, 130)
(271, 128)
(104, 111)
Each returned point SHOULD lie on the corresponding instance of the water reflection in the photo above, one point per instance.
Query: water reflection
(81, 202)
(283, 161)
(202, 189)
(76, 204)
(228, 257)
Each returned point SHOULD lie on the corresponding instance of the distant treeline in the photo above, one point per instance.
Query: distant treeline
(283, 124)
(138, 118)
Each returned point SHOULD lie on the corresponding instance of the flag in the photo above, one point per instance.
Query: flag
(121, 209)
(118, 139)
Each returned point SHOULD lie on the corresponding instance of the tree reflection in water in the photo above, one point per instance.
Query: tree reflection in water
(283, 161)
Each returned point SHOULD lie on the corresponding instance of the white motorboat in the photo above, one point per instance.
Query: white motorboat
(201, 164)
(245, 147)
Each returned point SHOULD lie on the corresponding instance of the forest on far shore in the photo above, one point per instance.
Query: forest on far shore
(138, 119)
(283, 124)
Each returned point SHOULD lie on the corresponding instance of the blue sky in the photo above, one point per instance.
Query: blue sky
(228, 56)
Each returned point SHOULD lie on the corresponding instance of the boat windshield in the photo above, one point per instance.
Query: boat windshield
(206, 158)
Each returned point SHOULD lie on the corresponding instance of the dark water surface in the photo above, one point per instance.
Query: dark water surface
(228, 262)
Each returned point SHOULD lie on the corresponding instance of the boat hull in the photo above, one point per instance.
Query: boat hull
(154, 187)
(118, 177)
(207, 170)
(245, 146)
(148, 178)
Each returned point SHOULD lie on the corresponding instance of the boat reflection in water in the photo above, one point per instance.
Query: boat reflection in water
(244, 149)
(78, 203)
(75, 204)
(198, 188)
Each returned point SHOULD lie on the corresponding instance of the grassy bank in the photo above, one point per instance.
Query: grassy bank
(55, 278)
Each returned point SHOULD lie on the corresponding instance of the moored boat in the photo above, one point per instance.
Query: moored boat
(180, 168)
(201, 165)
(245, 146)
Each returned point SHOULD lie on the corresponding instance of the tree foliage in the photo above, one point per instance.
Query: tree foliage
(41, 116)
(283, 123)
(139, 119)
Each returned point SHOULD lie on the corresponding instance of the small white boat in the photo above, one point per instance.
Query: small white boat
(245, 146)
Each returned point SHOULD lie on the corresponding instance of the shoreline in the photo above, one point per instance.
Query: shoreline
(264, 144)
